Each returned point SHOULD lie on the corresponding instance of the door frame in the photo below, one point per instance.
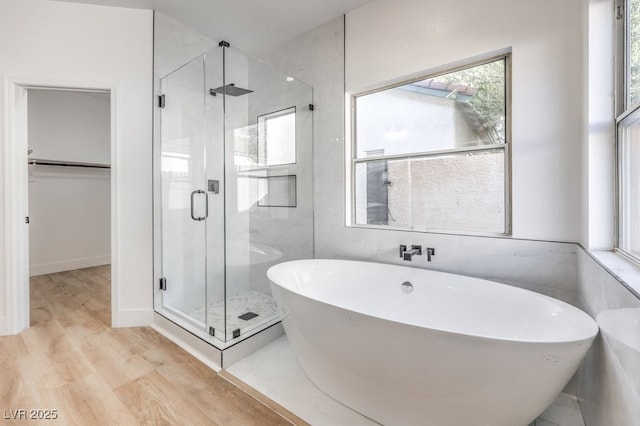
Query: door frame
(16, 199)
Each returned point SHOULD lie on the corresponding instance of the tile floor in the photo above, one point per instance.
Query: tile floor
(275, 372)
(250, 301)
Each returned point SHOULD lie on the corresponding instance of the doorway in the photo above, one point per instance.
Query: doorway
(69, 197)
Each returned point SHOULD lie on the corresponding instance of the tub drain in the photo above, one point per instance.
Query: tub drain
(407, 287)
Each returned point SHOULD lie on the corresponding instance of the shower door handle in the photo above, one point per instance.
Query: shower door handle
(206, 205)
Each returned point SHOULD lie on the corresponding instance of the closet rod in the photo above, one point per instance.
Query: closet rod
(67, 164)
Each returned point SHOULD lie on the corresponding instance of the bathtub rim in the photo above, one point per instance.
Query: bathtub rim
(588, 337)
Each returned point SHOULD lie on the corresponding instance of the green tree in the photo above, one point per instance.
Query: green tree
(483, 88)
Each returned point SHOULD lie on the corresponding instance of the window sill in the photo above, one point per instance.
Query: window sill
(624, 270)
(430, 231)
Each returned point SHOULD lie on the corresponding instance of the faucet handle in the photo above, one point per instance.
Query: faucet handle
(403, 248)
(430, 252)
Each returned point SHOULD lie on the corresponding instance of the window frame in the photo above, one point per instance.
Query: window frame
(624, 111)
(351, 159)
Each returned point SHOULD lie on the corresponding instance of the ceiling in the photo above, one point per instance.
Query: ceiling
(251, 25)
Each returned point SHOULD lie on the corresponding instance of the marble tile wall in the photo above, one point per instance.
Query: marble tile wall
(609, 378)
(317, 58)
(287, 229)
(545, 267)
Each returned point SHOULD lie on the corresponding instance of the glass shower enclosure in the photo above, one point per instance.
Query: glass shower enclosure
(233, 191)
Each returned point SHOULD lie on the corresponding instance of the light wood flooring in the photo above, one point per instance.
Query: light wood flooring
(71, 361)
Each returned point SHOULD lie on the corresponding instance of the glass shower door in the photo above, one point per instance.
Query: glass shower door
(216, 187)
(233, 173)
(268, 134)
(184, 205)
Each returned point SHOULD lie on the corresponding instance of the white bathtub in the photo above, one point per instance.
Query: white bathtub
(454, 351)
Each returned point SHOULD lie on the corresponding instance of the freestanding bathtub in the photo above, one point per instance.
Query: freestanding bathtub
(444, 350)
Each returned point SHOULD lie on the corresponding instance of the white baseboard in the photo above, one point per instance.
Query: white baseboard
(68, 265)
(3, 326)
(133, 318)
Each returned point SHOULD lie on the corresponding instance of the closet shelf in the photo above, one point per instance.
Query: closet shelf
(41, 162)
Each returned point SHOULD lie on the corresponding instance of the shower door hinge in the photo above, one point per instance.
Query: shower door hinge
(161, 101)
(212, 331)
(620, 9)
(311, 107)
(163, 284)
(236, 333)
(26, 219)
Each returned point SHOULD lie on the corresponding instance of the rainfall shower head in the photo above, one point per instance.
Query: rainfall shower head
(230, 89)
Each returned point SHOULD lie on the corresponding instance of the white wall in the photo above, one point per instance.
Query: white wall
(63, 44)
(67, 125)
(69, 207)
(598, 153)
(388, 40)
(69, 212)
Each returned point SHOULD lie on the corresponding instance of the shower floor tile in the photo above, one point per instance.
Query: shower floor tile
(237, 305)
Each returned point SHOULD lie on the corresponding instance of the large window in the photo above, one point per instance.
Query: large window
(628, 138)
(432, 154)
